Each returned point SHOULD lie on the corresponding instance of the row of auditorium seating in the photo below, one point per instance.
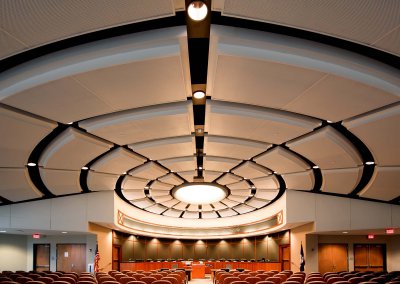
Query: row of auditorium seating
(367, 277)
(259, 276)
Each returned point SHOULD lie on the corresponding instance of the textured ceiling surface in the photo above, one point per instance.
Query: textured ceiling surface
(116, 113)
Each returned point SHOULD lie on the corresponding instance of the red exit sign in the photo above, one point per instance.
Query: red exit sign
(36, 236)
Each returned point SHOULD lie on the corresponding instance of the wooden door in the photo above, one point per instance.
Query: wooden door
(332, 258)
(71, 257)
(41, 257)
(116, 256)
(370, 257)
(284, 253)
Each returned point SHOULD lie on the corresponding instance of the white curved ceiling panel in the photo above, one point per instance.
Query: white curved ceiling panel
(282, 161)
(241, 192)
(193, 207)
(61, 182)
(209, 215)
(159, 193)
(180, 164)
(26, 129)
(250, 170)
(180, 206)
(101, 181)
(166, 148)
(162, 199)
(232, 147)
(241, 185)
(190, 215)
(170, 203)
(72, 149)
(172, 213)
(379, 130)
(255, 123)
(16, 185)
(211, 163)
(227, 212)
(206, 207)
(118, 161)
(229, 203)
(260, 82)
(132, 194)
(138, 84)
(228, 178)
(210, 176)
(157, 209)
(256, 202)
(219, 206)
(126, 127)
(384, 184)
(67, 19)
(299, 181)
(237, 198)
(149, 171)
(171, 178)
(270, 182)
(336, 98)
(143, 203)
(133, 183)
(188, 175)
(341, 181)
(341, 154)
(356, 20)
(74, 103)
(266, 194)
(157, 185)
(243, 208)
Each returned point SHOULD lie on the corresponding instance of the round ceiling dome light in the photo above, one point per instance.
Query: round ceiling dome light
(200, 193)
(197, 10)
(199, 95)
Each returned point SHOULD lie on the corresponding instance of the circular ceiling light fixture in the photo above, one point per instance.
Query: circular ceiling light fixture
(200, 193)
(199, 95)
(197, 11)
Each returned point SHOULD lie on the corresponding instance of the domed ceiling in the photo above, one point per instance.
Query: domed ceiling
(98, 97)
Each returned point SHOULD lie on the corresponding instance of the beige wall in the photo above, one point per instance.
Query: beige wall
(104, 241)
(13, 254)
(298, 237)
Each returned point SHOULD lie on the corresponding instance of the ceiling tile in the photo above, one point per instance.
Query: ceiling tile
(180, 164)
(250, 170)
(101, 181)
(133, 183)
(341, 181)
(270, 182)
(16, 185)
(228, 178)
(149, 171)
(171, 178)
(384, 184)
(60, 182)
(300, 181)
(221, 164)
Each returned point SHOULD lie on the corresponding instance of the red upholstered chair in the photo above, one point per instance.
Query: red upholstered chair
(253, 273)
(68, 279)
(126, 279)
(314, 278)
(177, 276)
(131, 273)
(56, 282)
(35, 282)
(274, 279)
(262, 276)
(297, 279)
(253, 280)
(87, 278)
(229, 280)
(23, 279)
(156, 276)
(162, 281)
(119, 276)
(356, 280)
(283, 277)
(162, 273)
(9, 282)
(148, 279)
(334, 279)
(328, 275)
(239, 282)
(147, 273)
(111, 282)
(243, 276)
(316, 282)
(103, 278)
(47, 280)
(138, 276)
(136, 282)
(265, 282)
(292, 282)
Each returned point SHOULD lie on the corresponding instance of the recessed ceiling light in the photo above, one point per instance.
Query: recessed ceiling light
(275, 172)
(199, 95)
(345, 232)
(64, 232)
(315, 167)
(31, 164)
(329, 121)
(369, 163)
(3, 231)
(200, 193)
(253, 187)
(197, 10)
(70, 123)
(85, 168)
(199, 130)
(146, 187)
(200, 168)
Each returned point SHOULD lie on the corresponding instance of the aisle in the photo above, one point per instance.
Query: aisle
(206, 280)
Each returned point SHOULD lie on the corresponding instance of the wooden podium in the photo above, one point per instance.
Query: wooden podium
(198, 270)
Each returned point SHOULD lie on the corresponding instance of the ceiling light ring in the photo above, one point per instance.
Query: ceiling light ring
(197, 10)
